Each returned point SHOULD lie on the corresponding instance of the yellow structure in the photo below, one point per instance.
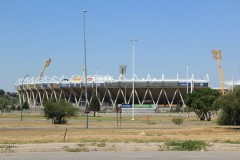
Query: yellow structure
(217, 54)
(47, 63)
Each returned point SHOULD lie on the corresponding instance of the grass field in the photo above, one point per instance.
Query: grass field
(144, 129)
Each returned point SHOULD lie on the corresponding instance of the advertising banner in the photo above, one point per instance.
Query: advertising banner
(170, 84)
(74, 84)
(144, 106)
(44, 85)
(101, 84)
(184, 84)
(126, 105)
(90, 79)
(200, 84)
(62, 85)
(77, 79)
(88, 84)
(138, 106)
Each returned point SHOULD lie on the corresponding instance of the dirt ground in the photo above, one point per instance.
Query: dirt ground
(114, 147)
(144, 134)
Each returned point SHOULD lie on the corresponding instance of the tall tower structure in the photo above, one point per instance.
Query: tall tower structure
(217, 54)
(122, 71)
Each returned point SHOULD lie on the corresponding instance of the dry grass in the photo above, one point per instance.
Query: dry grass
(104, 129)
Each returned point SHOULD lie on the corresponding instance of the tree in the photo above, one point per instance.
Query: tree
(94, 105)
(12, 94)
(7, 100)
(13, 108)
(229, 108)
(3, 103)
(59, 111)
(25, 105)
(2, 92)
(19, 108)
(201, 100)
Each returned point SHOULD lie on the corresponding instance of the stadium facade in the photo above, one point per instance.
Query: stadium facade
(160, 92)
(230, 85)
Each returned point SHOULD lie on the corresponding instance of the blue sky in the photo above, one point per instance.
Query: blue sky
(170, 33)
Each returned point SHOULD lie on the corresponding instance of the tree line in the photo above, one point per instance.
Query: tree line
(206, 102)
(9, 101)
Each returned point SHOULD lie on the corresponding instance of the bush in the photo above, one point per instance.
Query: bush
(229, 108)
(177, 120)
(151, 122)
(189, 145)
(58, 111)
(19, 108)
(3, 103)
(13, 108)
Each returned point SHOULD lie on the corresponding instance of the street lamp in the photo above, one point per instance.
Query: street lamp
(85, 69)
(133, 50)
(96, 78)
(22, 103)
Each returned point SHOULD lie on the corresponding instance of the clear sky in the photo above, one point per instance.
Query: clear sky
(170, 33)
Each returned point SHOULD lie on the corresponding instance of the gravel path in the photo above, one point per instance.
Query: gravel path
(117, 147)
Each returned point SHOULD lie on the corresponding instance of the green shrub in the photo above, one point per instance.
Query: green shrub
(81, 149)
(177, 120)
(229, 108)
(189, 145)
(102, 144)
(81, 145)
(151, 122)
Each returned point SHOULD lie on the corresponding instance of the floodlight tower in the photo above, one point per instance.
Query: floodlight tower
(217, 54)
(47, 63)
(122, 71)
(133, 52)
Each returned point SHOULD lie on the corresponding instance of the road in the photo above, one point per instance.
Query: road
(121, 156)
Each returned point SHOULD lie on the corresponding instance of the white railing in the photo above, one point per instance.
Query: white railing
(105, 78)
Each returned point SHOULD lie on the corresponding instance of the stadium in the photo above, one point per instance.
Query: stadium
(149, 93)
(145, 94)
